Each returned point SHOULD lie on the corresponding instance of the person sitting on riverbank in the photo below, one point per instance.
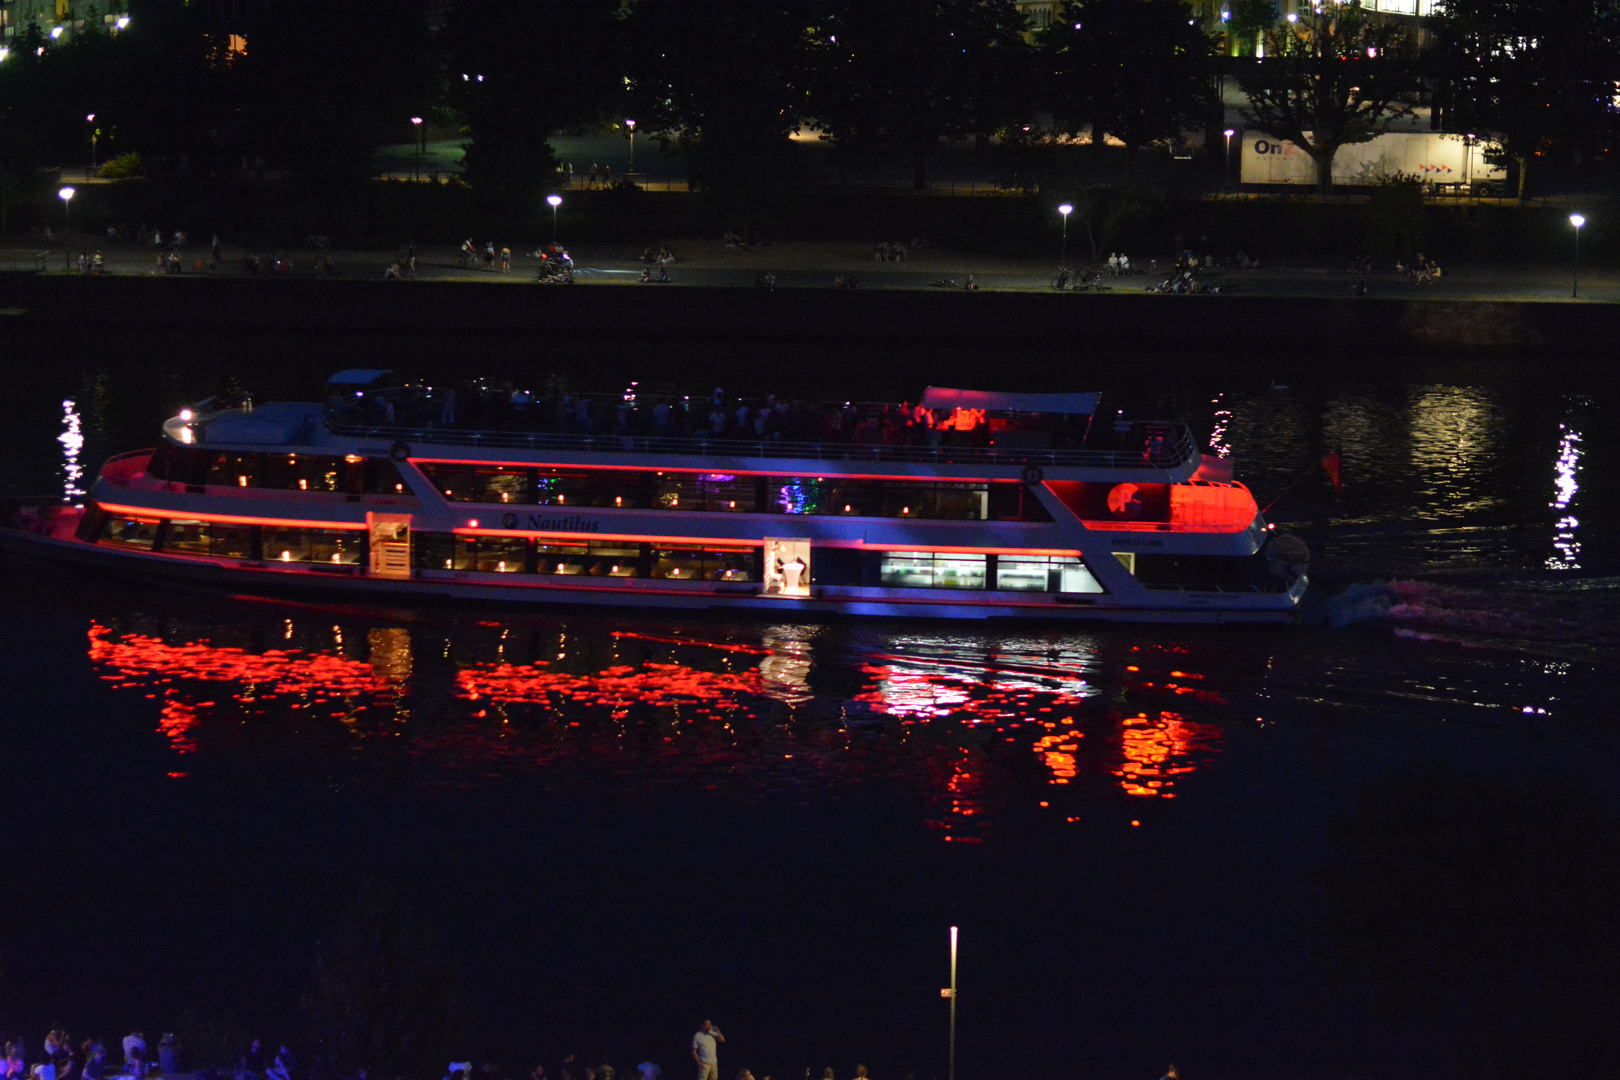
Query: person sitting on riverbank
(253, 1063)
(95, 1065)
(134, 1043)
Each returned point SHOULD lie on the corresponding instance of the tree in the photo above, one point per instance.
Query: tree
(1534, 77)
(326, 85)
(520, 73)
(1329, 79)
(1139, 70)
(900, 75)
(729, 83)
(385, 996)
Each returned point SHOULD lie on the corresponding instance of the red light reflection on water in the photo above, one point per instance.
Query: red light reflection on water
(614, 688)
(952, 722)
(1157, 749)
(289, 678)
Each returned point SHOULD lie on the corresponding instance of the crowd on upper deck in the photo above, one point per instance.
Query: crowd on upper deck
(721, 416)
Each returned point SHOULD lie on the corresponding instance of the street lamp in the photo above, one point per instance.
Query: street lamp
(1577, 220)
(555, 201)
(1226, 162)
(94, 131)
(631, 124)
(1065, 210)
(421, 144)
(66, 195)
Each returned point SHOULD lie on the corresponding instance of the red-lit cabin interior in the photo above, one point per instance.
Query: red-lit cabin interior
(1194, 506)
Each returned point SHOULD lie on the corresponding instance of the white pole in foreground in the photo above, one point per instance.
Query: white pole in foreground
(950, 1073)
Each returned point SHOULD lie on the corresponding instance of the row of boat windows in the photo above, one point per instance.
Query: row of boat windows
(351, 474)
(728, 493)
(719, 563)
(342, 547)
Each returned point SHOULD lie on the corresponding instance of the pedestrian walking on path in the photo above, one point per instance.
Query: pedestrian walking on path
(704, 1051)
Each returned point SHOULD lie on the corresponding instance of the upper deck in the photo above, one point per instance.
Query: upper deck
(948, 428)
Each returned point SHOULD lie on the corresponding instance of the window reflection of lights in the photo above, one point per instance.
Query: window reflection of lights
(72, 440)
(1566, 485)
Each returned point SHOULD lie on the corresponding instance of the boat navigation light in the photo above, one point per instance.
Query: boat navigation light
(472, 523)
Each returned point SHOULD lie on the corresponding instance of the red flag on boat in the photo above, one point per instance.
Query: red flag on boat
(1331, 465)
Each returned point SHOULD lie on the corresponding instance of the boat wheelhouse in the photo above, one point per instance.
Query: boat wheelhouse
(964, 505)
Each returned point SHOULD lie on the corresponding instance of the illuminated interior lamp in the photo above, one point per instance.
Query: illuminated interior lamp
(185, 414)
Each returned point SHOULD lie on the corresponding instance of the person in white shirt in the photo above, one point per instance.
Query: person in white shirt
(705, 1053)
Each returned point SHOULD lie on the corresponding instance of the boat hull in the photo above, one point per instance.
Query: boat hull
(349, 584)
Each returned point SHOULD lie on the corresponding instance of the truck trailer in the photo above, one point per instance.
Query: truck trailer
(1454, 162)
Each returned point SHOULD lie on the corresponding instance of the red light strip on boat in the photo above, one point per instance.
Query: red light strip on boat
(228, 519)
(593, 467)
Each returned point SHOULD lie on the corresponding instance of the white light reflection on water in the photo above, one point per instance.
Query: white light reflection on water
(72, 440)
(1223, 419)
(1566, 485)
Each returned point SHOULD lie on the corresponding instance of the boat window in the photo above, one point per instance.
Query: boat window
(502, 554)
(131, 532)
(235, 470)
(561, 556)
(432, 551)
(481, 483)
(1045, 573)
(613, 558)
(930, 570)
(694, 562)
(327, 546)
(715, 492)
(209, 538)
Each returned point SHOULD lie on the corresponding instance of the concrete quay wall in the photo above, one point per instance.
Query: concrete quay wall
(1301, 328)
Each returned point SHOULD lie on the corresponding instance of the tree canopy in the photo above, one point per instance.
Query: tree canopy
(899, 76)
(1329, 78)
(1535, 77)
(1139, 70)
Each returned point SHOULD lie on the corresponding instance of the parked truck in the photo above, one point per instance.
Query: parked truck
(1454, 162)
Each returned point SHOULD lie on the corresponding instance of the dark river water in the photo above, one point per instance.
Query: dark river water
(618, 825)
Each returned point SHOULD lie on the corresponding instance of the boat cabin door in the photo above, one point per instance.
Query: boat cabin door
(787, 567)
(390, 536)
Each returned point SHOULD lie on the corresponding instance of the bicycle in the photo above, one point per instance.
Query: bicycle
(1064, 277)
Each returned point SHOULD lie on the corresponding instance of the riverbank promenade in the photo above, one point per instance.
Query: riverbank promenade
(819, 265)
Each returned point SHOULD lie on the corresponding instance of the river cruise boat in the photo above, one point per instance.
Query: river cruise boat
(964, 505)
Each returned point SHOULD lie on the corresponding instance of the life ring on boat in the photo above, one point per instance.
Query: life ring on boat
(1033, 475)
(400, 451)
(1125, 501)
(508, 521)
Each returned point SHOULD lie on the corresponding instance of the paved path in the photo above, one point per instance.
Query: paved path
(816, 264)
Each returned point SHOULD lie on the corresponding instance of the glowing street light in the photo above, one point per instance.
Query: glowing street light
(1065, 210)
(94, 132)
(122, 23)
(421, 144)
(950, 1068)
(631, 124)
(1226, 162)
(66, 195)
(1577, 220)
(555, 201)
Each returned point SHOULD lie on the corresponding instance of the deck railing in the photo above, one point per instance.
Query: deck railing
(1158, 446)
